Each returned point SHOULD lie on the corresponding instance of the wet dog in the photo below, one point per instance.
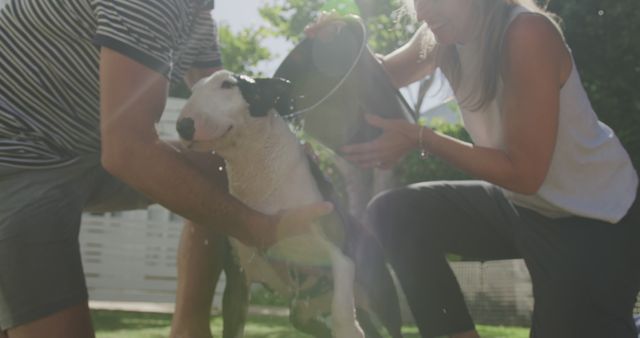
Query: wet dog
(329, 274)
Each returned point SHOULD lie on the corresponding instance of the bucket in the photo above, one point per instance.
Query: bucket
(335, 81)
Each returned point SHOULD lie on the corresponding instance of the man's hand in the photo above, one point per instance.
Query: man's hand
(284, 224)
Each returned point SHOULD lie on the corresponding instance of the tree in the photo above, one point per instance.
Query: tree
(602, 36)
(385, 33)
(240, 52)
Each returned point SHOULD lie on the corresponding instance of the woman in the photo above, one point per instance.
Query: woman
(555, 186)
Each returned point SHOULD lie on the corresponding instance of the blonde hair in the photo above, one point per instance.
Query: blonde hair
(494, 16)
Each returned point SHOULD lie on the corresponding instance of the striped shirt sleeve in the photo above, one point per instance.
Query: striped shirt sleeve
(206, 34)
(146, 31)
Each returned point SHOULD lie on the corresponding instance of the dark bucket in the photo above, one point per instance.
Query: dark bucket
(335, 82)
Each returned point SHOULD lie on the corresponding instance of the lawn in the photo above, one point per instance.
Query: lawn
(119, 324)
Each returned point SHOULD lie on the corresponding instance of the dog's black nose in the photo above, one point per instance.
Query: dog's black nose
(186, 128)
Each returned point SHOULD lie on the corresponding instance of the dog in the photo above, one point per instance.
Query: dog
(335, 271)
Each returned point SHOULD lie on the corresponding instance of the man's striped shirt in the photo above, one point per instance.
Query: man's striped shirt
(49, 63)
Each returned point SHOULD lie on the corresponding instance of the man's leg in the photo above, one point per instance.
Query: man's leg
(42, 287)
(72, 322)
(200, 261)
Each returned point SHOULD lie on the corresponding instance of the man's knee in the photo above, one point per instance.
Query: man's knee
(71, 322)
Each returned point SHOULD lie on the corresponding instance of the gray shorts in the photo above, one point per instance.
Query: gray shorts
(40, 212)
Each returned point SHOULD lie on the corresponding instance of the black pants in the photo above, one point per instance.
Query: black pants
(585, 273)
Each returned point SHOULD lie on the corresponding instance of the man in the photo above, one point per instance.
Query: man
(82, 83)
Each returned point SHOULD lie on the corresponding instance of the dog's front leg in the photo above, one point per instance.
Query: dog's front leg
(343, 308)
(235, 301)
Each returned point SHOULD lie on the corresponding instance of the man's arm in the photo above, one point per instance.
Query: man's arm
(132, 100)
(195, 74)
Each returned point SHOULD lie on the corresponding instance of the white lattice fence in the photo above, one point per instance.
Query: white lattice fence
(131, 256)
(499, 292)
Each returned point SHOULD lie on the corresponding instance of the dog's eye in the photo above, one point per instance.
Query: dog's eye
(228, 84)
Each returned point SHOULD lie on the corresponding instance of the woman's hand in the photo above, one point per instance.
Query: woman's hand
(397, 139)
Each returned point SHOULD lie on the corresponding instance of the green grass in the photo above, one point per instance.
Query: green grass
(119, 324)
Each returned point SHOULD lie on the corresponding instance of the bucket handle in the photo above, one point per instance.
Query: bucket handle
(297, 113)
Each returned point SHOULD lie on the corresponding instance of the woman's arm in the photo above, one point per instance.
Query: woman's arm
(405, 66)
(537, 65)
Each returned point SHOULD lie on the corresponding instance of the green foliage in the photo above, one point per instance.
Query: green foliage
(263, 297)
(289, 18)
(603, 38)
(240, 52)
(343, 7)
(243, 50)
(414, 169)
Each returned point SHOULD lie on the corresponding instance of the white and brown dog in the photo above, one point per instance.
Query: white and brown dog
(334, 271)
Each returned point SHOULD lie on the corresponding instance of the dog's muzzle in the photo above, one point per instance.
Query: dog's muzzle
(186, 128)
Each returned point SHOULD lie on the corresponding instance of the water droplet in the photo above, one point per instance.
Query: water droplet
(601, 12)
(220, 168)
(213, 152)
(206, 242)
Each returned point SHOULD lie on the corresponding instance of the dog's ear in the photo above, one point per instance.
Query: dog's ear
(264, 94)
(284, 104)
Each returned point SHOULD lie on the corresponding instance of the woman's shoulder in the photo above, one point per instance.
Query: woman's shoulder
(534, 27)
(532, 37)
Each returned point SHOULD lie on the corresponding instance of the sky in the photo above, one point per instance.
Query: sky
(239, 14)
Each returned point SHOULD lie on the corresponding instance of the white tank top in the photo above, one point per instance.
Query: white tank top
(590, 175)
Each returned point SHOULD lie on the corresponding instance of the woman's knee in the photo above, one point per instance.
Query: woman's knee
(401, 215)
(410, 203)
(385, 208)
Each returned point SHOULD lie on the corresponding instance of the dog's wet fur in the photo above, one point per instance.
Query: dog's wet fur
(335, 271)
